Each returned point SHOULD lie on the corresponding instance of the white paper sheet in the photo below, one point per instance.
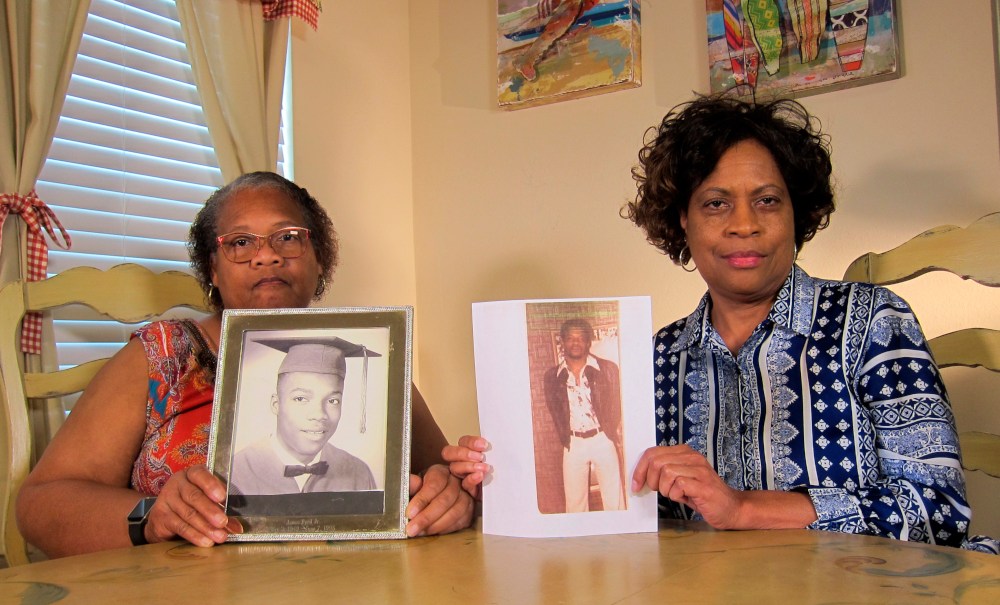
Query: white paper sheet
(511, 503)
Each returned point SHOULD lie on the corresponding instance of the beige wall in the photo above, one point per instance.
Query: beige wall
(353, 144)
(443, 200)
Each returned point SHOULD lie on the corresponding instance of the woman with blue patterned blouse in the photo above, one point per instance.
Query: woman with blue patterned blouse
(784, 401)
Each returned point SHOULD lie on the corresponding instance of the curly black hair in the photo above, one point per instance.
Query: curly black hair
(684, 149)
(202, 245)
(577, 323)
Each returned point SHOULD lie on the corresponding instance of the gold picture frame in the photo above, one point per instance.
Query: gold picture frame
(311, 422)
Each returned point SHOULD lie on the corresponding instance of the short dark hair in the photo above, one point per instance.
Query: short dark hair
(577, 323)
(202, 245)
(683, 150)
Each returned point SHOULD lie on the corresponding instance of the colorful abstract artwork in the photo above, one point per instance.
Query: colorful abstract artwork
(763, 49)
(554, 50)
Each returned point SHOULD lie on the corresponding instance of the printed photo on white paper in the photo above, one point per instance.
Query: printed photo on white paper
(565, 391)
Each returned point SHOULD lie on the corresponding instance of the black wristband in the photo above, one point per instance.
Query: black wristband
(137, 521)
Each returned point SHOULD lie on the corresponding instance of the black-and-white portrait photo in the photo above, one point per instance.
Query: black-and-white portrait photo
(307, 403)
(309, 435)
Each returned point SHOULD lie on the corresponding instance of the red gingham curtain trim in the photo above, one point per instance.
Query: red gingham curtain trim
(307, 10)
(37, 216)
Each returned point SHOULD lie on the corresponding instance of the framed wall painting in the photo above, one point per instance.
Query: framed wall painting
(311, 422)
(763, 49)
(555, 50)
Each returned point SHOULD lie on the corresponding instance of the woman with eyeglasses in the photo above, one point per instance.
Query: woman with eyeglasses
(141, 428)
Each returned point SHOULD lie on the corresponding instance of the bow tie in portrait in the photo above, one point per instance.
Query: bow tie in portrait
(294, 470)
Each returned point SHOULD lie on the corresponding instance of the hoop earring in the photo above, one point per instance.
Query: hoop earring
(684, 265)
(211, 292)
(795, 252)
(321, 286)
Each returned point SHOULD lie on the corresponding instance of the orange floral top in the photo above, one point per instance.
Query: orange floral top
(179, 405)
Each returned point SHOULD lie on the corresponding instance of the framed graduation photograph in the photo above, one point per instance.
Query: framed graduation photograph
(311, 422)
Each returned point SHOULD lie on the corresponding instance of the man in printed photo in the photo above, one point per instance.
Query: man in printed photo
(583, 395)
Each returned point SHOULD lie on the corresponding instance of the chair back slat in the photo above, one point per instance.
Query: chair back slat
(971, 253)
(971, 348)
(979, 452)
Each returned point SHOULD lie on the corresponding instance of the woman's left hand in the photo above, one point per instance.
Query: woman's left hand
(467, 462)
(190, 506)
(685, 476)
(438, 504)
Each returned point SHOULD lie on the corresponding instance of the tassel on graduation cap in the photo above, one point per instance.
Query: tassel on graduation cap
(323, 355)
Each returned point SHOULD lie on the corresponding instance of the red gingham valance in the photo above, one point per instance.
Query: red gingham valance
(307, 10)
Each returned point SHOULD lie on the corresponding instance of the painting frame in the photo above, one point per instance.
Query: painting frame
(812, 47)
(381, 350)
(557, 50)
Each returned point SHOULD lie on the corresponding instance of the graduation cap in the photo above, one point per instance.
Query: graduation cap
(322, 355)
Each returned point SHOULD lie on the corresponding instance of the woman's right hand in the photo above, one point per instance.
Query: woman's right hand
(190, 506)
(685, 476)
(467, 461)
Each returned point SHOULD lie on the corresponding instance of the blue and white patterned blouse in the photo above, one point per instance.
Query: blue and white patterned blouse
(835, 394)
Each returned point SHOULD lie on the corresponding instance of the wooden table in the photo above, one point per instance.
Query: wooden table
(683, 563)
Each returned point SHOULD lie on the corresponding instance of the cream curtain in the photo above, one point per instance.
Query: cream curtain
(38, 45)
(238, 61)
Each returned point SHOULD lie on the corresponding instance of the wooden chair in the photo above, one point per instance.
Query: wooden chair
(126, 293)
(971, 253)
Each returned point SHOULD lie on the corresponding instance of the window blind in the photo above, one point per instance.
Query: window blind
(131, 162)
